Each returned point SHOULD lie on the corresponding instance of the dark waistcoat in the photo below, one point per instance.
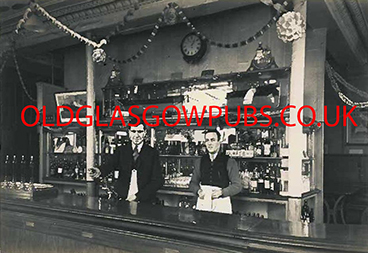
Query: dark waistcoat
(214, 173)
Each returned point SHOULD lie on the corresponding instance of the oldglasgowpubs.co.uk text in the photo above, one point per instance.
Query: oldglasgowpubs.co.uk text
(213, 113)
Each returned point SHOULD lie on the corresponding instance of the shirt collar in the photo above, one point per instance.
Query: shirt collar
(213, 156)
(139, 147)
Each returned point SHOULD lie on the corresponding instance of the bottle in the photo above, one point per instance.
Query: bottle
(267, 181)
(305, 212)
(261, 180)
(76, 170)
(106, 146)
(273, 180)
(6, 169)
(259, 148)
(254, 181)
(278, 184)
(266, 141)
(60, 168)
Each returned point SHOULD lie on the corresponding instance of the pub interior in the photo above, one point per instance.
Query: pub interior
(303, 187)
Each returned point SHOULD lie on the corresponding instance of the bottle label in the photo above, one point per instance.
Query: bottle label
(116, 174)
(267, 149)
(267, 184)
(60, 170)
(253, 184)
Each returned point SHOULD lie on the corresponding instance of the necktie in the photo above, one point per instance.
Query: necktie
(135, 153)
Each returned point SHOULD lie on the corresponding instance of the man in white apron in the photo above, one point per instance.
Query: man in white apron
(216, 179)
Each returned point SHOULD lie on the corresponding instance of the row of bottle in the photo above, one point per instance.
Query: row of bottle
(22, 170)
(62, 167)
(263, 178)
(181, 148)
(109, 144)
(261, 142)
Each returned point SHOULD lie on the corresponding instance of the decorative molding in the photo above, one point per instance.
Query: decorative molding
(342, 17)
(360, 21)
(84, 11)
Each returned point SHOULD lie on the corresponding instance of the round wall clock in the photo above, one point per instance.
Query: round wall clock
(193, 48)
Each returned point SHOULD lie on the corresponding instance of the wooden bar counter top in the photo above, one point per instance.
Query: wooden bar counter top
(72, 223)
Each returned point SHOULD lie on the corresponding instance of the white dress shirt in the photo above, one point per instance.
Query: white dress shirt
(133, 187)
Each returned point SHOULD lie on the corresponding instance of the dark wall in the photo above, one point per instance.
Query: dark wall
(346, 164)
(16, 138)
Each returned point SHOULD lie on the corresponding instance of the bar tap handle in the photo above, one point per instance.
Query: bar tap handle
(14, 168)
(6, 172)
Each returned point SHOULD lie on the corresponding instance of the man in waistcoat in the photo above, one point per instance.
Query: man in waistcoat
(140, 174)
(216, 179)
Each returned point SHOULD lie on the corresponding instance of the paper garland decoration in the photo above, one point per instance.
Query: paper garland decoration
(169, 10)
(335, 78)
(21, 79)
(58, 24)
(290, 26)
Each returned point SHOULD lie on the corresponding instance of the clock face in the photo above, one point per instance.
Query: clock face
(191, 45)
(193, 48)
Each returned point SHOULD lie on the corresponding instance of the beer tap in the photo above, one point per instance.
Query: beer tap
(22, 173)
(14, 167)
(6, 172)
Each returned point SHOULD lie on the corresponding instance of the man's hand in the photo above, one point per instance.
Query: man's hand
(216, 194)
(94, 172)
(201, 194)
(131, 198)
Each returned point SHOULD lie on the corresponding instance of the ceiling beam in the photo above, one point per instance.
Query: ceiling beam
(342, 17)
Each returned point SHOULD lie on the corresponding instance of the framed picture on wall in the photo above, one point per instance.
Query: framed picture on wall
(74, 100)
(357, 134)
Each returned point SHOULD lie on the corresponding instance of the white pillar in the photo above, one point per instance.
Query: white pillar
(297, 140)
(90, 150)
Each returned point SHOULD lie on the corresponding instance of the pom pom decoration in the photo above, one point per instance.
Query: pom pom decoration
(98, 55)
(290, 26)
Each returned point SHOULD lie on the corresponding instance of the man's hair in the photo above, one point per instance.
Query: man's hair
(134, 121)
(213, 131)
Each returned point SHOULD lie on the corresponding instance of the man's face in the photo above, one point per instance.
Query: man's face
(137, 134)
(212, 143)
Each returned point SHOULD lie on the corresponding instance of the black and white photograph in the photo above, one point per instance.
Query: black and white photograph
(183, 126)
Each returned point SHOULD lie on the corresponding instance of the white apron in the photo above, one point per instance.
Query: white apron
(220, 205)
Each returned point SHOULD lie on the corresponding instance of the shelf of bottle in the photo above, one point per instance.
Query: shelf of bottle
(64, 181)
(280, 72)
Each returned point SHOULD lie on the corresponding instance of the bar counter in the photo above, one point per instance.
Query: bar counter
(72, 223)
